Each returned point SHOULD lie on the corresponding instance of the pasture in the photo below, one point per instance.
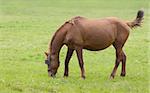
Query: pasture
(26, 27)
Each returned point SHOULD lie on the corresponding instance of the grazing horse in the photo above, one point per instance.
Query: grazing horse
(92, 34)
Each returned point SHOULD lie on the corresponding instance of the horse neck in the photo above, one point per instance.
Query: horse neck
(57, 40)
(56, 44)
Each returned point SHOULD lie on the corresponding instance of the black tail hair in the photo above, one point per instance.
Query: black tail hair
(137, 22)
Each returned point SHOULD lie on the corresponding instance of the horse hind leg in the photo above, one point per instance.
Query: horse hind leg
(117, 62)
(120, 57)
(68, 57)
(123, 70)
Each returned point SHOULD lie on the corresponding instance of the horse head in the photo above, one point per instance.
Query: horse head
(51, 68)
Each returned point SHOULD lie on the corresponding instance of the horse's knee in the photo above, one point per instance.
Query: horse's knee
(118, 61)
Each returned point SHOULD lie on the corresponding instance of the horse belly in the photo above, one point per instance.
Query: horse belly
(99, 41)
(96, 47)
(99, 35)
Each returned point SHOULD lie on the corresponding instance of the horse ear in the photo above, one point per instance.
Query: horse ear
(46, 53)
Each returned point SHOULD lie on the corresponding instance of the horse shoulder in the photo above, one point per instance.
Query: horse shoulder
(74, 34)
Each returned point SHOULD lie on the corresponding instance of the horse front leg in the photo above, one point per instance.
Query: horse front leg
(68, 57)
(81, 63)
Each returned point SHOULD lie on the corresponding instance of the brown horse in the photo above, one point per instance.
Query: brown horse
(92, 34)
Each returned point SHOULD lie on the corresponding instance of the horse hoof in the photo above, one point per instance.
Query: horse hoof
(111, 77)
(65, 75)
(83, 77)
(123, 74)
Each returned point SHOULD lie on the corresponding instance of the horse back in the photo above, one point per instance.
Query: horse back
(94, 34)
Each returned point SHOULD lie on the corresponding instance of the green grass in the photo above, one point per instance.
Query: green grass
(26, 27)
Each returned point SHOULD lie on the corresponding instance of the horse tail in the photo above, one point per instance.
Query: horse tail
(137, 22)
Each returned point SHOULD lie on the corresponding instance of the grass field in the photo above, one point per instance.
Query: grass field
(26, 27)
